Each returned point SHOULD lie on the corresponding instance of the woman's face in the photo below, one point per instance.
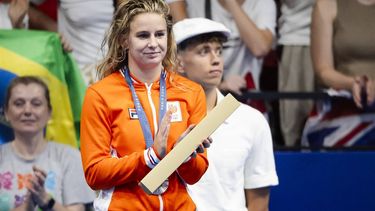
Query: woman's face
(147, 41)
(28, 111)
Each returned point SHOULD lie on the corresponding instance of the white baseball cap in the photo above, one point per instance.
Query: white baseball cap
(191, 27)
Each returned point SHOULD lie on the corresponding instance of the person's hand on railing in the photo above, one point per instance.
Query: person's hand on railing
(233, 83)
(363, 91)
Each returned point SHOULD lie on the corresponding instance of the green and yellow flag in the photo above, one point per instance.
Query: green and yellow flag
(39, 53)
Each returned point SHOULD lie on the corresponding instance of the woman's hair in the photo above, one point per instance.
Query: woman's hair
(116, 56)
(26, 80)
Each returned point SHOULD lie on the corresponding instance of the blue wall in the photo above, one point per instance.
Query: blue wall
(324, 181)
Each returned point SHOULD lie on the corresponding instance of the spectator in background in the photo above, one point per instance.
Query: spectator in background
(83, 32)
(295, 68)
(343, 53)
(20, 14)
(125, 123)
(252, 24)
(343, 47)
(37, 173)
(17, 14)
(241, 157)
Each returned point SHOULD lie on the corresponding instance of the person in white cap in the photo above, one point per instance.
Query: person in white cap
(241, 162)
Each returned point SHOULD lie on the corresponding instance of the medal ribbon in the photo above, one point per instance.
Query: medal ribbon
(138, 106)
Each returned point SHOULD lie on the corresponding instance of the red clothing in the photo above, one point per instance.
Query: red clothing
(106, 125)
(49, 8)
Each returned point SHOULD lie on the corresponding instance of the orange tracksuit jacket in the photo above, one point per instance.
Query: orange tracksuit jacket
(113, 146)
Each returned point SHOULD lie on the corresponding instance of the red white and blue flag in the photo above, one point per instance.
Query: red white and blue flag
(339, 123)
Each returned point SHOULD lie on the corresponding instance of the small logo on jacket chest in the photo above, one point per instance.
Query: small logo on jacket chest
(133, 113)
(176, 109)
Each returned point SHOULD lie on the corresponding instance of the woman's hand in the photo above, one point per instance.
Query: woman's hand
(17, 12)
(363, 91)
(160, 143)
(65, 44)
(206, 143)
(161, 138)
(36, 188)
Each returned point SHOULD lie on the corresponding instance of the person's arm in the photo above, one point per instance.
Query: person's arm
(324, 14)
(59, 207)
(40, 197)
(17, 12)
(257, 199)
(259, 167)
(101, 169)
(38, 20)
(259, 41)
(233, 83)
(178, 10)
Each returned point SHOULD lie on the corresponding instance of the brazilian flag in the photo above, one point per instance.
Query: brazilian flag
(39, 53)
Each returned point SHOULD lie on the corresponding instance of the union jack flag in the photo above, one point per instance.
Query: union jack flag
(339, 123)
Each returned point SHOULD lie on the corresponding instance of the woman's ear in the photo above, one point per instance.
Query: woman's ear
(123, 42)
(180, 65)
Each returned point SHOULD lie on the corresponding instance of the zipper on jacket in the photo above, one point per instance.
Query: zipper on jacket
(153, 110)
(161, 203)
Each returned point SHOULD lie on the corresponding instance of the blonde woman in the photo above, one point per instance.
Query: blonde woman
(127, 126)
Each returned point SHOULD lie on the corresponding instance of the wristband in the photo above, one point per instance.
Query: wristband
(49, 205)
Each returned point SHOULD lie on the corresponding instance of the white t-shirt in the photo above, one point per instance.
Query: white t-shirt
(238, 60)
(84, 23)
(241, 157)
(294, 22)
